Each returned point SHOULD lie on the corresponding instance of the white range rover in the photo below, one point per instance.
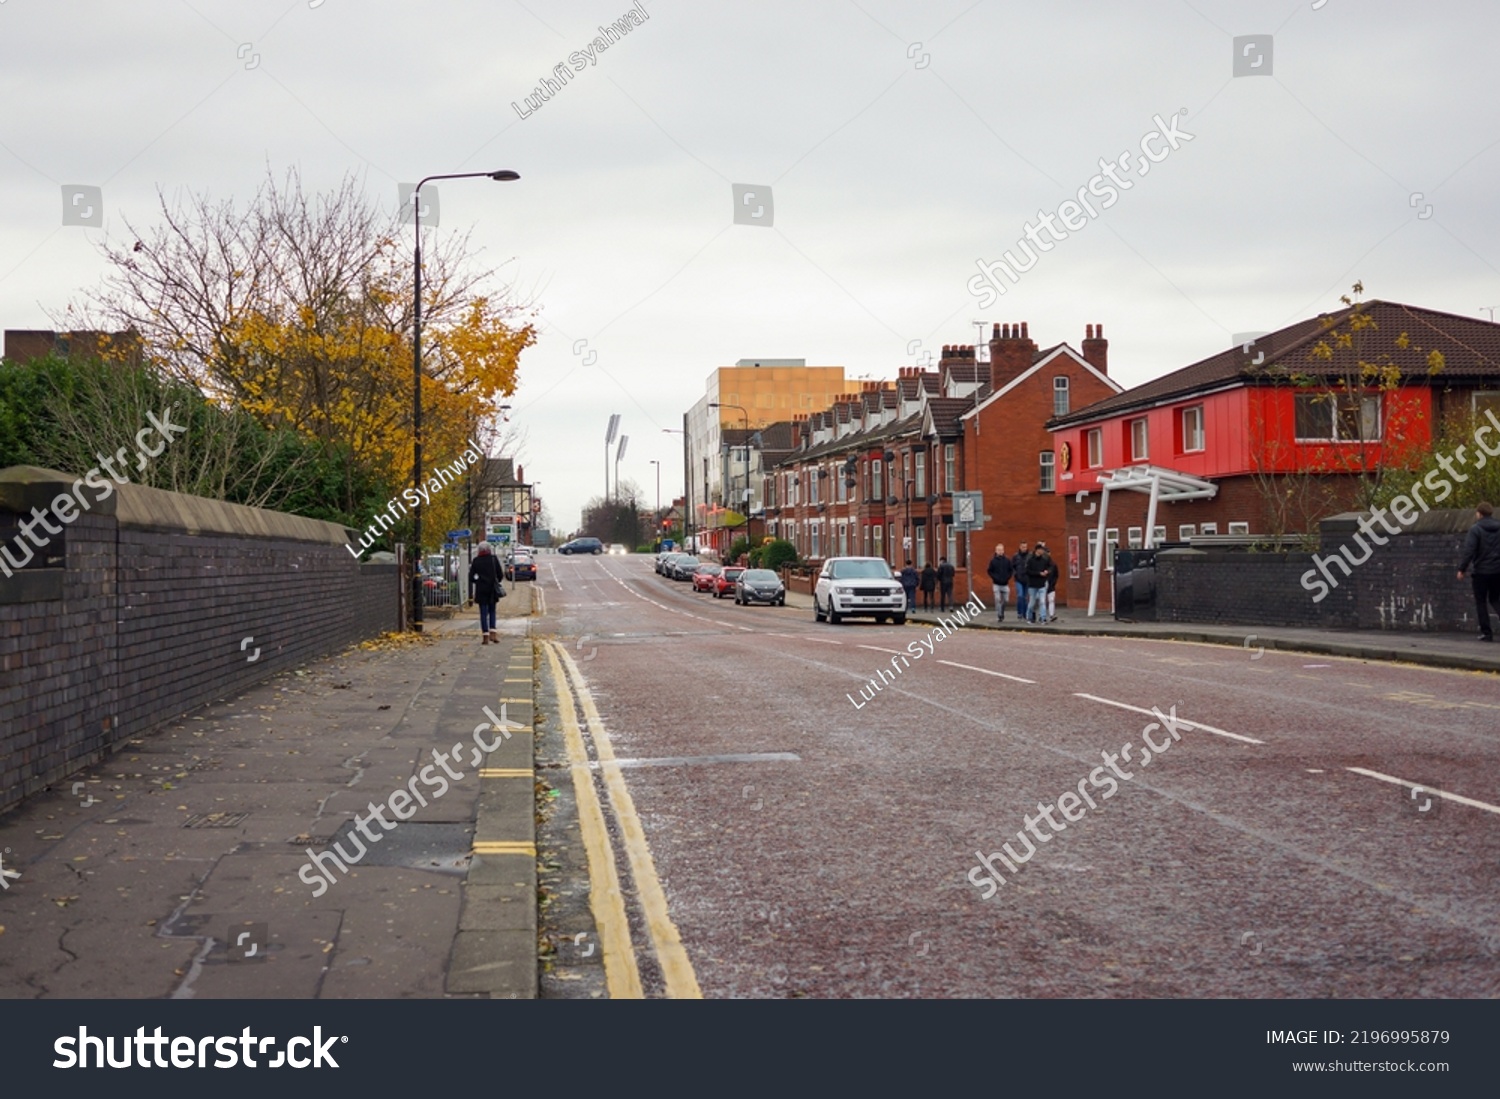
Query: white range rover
(863, 586)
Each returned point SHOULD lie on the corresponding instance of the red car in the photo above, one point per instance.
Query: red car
(705, 576)
(724, 582)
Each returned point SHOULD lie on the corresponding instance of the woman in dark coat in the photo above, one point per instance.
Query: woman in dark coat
(929, 585)
(486, 590)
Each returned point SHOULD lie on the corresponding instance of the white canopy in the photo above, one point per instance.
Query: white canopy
(1162, 484)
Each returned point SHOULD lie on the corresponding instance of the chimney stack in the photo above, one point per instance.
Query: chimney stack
(1011, 353)
(1096, 348)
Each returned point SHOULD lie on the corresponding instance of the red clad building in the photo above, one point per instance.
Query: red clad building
(1262, 441)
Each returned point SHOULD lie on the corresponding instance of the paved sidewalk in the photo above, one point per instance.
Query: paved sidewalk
(139, 875)
(1443, 650)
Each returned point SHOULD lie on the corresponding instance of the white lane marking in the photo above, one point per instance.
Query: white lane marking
(986, 671)
(1426, 789)
(1185, 724)
(820, 640)
(878, 649)
(541, 594)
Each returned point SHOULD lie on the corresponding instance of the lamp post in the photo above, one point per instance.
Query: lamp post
(687, 482)
(656, 515)
(505, 175)
(609, 438)
(746, 502)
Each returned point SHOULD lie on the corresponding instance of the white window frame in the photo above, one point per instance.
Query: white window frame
(1093, 441)
(919, 473)
(1185, 531)
(877, 481)
(1133, 538)
(1060, 396)
(1047, 471)
(1239, 528)
(1192, 443)
(1208, 528)
(1093, 547)
(1369, 403)
(1111, 542)
(1158, 535)
(1140, 447)
(950, 467)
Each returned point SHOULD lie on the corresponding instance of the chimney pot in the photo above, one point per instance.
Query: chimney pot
(1025, 335)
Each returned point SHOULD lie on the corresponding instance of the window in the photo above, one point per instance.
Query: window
(950, 481)
(1111, 543)
(1209, 528)
(1239, 528)
(1059, 396)
(843, 539)
(952, 551)
(1337, 417)
(1096, 448)
(1186, 531)
(906, 473)
(1133, 537)
(813, 487)
(838, 474)
(1192, 429)
(921, 536)
(1048, 471)
(815, 532)
(879, 550)
(877, 480)
(1158, 535)
(1093, 547)
(920, 474)
(1139, 450)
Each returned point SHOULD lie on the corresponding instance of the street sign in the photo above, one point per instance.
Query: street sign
(455, 535)
(968, 511)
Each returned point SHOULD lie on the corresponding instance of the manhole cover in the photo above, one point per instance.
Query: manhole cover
(443, 847)
(214, 820)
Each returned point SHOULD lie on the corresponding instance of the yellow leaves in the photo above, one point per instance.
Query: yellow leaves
(1403, 341)
(1321, 350)
(1435, 362)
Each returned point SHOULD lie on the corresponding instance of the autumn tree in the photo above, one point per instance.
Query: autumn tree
(298, 310)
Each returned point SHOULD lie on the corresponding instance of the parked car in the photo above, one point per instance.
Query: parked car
(662, 558)
(759, 586)
(684, 567)
(519, 565)
(858, 586)
(725, 582)
(582, 545)
(705, 575)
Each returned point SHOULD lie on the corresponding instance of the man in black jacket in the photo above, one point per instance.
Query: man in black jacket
(1018, 565)
(1000, 571)
(1482, 562)
(1038, 572)
(945, 575)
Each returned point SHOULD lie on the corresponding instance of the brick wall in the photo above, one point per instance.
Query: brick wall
(1407, 584)
(146, 620)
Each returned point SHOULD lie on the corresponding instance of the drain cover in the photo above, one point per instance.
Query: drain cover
(443, 847)
(214, 820)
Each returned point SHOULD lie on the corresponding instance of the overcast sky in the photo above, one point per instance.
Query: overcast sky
(902, 142)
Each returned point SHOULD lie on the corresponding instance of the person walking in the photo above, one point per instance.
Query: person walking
(1053, 575)
(945, 573)
(909, 582)
(1000, 571)
(487, 590)
(1018, 565)
(1482, 563)
(1038, 566)
(929, 585)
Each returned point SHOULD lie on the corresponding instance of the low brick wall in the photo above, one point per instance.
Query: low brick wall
(160, 603)
(1406, 584)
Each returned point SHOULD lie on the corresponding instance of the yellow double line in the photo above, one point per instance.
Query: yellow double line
(621, 971)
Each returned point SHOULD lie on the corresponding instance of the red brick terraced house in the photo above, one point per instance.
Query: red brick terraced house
(1261, 441)
(874, 474)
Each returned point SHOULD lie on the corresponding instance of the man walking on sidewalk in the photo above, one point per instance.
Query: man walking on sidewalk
(945, 583)
(1038, 571)
(1000, 571)
(909, 581)
(929, 585)
(1482, 562)
(1018, 565)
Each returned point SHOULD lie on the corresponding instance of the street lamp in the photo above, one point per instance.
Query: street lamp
(609, 438)
(746, 502)
(657, 513)
(505, 175)
(687, 481)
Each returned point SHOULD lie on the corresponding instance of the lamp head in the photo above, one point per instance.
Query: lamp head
(505, 175)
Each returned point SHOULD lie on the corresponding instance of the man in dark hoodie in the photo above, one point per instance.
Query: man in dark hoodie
(1482, 562)
(910, 578)
(1018, 565)
(1038, 572)
(1000, 571)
